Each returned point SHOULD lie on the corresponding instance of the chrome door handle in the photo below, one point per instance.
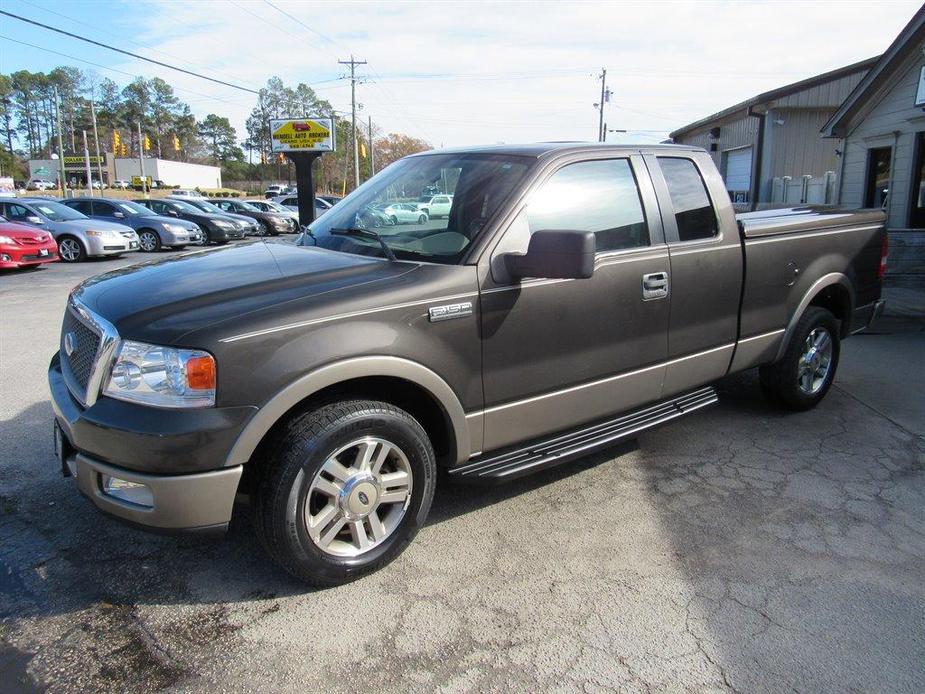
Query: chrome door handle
(654, 285)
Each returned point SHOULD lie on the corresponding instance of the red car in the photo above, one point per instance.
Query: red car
(23, 246)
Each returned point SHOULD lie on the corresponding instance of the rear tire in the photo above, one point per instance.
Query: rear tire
(801, 379)
(374, 495)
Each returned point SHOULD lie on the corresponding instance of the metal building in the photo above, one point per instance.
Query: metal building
(768, 148)
(881, 128)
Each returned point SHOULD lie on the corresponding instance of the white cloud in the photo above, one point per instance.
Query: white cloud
(517, 71)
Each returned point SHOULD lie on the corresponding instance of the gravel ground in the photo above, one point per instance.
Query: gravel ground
(740, 548)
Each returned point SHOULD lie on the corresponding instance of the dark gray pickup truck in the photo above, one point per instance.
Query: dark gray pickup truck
(575, 295)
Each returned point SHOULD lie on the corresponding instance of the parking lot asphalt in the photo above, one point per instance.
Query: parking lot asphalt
(739, 549)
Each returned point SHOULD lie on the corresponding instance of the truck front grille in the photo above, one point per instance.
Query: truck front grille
(85, 345)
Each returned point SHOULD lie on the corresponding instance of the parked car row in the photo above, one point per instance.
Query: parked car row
(36, 230)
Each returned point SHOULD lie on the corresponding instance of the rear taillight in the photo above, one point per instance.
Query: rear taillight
(884, 251)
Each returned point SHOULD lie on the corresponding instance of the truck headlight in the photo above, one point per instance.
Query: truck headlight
(162, 376)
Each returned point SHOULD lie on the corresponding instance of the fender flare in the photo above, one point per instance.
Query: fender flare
(827, 280)
(338, 372)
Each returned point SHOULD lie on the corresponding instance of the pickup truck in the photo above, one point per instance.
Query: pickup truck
(574, 296)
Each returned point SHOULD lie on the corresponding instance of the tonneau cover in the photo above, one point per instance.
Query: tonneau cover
(792, 220)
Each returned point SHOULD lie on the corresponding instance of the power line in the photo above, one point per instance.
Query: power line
(116, 70)
(304, 25)
(133, 55)
(111, 33)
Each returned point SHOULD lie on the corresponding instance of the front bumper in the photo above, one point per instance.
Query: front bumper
(108, 245)
(177, 454)
(200, 503)
(23, 256)
(220, 234)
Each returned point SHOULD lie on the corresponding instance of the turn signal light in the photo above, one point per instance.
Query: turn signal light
(200, 373)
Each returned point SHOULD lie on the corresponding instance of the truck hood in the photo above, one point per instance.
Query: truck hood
(163, 300)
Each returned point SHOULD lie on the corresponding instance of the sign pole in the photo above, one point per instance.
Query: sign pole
(305, 184)
(141, 162)
(96, 139)
(87, 167)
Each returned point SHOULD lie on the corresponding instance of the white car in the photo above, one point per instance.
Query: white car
(291, 202)
(121, 185)
(403, 212)
(435, 205)
(40, 184)
(187, 194)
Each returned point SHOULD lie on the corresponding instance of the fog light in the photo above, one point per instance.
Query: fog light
(4, 258)
(132, 492)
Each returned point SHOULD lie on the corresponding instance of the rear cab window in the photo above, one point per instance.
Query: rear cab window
(693, 209)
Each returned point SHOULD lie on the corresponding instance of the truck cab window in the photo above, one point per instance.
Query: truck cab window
(599, 196)
(692, 207)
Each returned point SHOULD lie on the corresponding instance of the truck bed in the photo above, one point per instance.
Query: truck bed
(788, 253)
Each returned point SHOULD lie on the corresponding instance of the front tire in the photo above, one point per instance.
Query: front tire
(801, 379)
(148, 241)
(343, 490)
(71, 250)
(422, 219)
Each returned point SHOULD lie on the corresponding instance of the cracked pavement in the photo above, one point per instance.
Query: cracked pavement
(740, 548)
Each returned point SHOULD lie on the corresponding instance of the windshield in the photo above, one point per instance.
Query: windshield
(133, 208)
(205, 206)
(57, 212)
(240, 204)
(471, 188)
(183, 207)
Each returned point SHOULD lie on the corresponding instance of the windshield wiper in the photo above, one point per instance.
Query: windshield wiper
(368, 233)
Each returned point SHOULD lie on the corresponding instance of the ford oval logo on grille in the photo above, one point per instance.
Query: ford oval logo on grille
(70, 343)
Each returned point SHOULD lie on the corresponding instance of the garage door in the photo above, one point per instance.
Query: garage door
(738, 173)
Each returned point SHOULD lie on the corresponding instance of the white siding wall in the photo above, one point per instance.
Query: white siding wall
(892, 122)
(174, 173)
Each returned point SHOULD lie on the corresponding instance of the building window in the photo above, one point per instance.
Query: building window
(879, 160)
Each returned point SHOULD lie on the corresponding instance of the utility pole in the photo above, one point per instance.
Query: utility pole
(141, 162)
(87, 167)
(62, 174)
(96, 140)
(600, 107)
(353, 107)
(372, 157)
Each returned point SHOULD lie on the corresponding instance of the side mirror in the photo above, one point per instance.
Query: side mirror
(555, 254)
(32, 219)
(118, 215)
(173, 213)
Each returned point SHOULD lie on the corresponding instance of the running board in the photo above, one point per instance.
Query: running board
(538, 455)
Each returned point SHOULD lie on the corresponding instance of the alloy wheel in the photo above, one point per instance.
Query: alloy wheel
(358, 497)
(815, 362)
(69, 249)
(147, 241)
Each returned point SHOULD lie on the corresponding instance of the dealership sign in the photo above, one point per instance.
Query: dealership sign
(302, 135)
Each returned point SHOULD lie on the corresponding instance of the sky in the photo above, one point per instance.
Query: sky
(465, 73)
